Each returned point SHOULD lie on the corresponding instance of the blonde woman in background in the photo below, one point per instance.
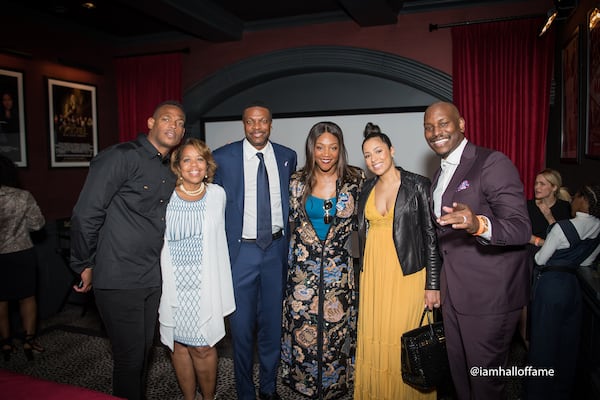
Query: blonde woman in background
(550, 204)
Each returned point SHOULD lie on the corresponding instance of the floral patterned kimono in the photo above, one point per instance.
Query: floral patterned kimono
(320, 303)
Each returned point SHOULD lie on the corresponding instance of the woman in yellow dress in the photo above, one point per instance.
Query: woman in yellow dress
(400, 270)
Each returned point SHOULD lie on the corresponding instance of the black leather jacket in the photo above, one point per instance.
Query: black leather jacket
(414, 231)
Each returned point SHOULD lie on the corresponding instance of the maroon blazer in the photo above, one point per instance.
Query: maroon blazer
(485, 277)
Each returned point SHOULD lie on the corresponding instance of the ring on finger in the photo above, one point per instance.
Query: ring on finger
(464, 219)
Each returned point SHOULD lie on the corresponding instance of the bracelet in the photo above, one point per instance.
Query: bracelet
(537, 241)
(483, 225)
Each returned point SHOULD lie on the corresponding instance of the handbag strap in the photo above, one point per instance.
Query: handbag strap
(426, 311)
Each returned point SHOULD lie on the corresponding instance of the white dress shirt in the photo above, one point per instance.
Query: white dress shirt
(250, 170)
(449, 165)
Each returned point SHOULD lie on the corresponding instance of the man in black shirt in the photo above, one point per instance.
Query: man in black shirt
(117, 231)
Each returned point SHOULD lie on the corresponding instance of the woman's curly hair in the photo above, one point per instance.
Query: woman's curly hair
(592, 195)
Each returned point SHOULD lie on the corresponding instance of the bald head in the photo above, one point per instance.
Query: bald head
(449, 108)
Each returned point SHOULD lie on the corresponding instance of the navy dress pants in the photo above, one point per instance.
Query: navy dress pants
(258, 282)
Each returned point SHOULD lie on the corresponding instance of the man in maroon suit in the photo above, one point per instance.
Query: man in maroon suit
(482, 228)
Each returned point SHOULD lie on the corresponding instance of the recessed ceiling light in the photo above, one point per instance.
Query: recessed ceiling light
(89, 5)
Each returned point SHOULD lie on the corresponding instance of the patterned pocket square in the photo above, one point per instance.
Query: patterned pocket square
(463, 185)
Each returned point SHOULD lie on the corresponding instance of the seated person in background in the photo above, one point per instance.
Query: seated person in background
(551, 204)
(556, 297)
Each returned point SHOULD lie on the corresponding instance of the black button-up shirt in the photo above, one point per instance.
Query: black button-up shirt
(118, 223)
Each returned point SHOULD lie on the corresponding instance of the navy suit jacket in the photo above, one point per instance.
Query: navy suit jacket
(484, 277)
(230, 175)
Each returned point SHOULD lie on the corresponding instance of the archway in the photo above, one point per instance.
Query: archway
(256, 70)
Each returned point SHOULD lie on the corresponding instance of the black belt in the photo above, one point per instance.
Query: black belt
(557, 268)
(276, 235)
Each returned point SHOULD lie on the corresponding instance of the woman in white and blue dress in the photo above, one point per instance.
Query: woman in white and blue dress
(197, 290)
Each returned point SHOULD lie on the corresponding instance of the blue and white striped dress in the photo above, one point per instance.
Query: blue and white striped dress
(184, 235)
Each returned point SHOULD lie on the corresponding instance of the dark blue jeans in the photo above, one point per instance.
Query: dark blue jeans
(129, 316)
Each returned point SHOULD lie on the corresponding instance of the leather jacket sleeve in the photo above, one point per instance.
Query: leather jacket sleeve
(431, 254)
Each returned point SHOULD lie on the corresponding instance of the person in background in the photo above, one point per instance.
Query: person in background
(482, 228)
(255, 174)
(320, 303)
(19, 215)
(197, 288)
(556, 306)
(550, 204)
(117, 231)
(400, 272)
(371, 128)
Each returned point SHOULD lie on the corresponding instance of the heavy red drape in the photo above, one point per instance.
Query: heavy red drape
(502, 74)
(142, 83)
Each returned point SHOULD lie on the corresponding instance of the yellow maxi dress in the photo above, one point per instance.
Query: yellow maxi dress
(390, 304)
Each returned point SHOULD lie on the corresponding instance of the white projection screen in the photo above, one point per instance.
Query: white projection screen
(405, 130)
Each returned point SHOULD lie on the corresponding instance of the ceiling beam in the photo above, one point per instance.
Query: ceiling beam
(200, 18)
(372, 12)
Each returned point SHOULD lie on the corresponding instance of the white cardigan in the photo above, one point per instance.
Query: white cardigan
(216, 287)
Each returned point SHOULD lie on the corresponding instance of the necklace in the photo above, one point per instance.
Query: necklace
(196, 192)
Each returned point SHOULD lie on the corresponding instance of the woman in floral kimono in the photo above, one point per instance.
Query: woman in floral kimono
(319, 314)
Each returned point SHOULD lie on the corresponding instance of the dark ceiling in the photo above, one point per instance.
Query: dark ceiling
(220, 20)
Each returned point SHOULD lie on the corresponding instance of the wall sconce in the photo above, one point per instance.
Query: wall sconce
(551, 17)
(594, 18)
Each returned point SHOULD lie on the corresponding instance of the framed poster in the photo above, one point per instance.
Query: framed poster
(592, 149)
(12, 117)
(73, 123)
(569, 150)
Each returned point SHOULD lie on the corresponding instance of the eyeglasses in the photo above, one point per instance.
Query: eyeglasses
(327, 205)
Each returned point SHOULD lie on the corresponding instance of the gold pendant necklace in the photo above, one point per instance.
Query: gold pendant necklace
(193, 193)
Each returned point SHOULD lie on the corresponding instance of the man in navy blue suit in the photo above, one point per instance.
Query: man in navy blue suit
(258, 270)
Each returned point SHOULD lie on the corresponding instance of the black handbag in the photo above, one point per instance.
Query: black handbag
(423, 356)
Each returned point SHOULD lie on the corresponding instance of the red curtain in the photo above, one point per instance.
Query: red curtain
(502, 74)
(142, 83)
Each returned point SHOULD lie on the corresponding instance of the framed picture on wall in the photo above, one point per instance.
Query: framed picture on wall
(593, 106)
(569, 150)
(12, 117)
(73, 123)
